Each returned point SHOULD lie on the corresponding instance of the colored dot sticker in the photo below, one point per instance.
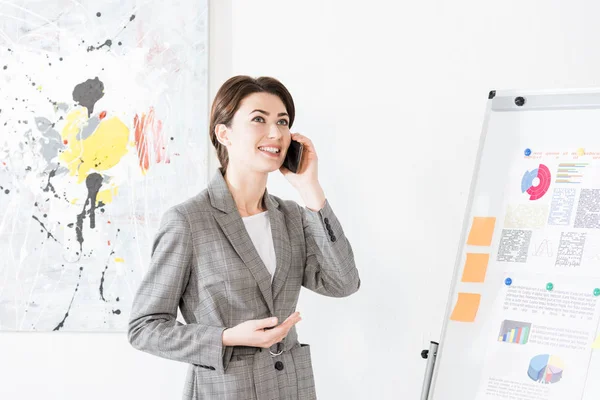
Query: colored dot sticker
(597, 292)
(549, 286)
(527, 152)
(508, 281)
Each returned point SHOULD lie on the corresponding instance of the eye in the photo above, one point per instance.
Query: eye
(285, 122)
(261, 119)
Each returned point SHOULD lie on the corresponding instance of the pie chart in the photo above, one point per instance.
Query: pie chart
(546, 368)
(536, 189)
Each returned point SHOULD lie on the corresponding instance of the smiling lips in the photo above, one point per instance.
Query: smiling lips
(269, 151)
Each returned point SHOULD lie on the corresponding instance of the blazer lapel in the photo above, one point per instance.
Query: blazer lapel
(232, 225)
(281, 241)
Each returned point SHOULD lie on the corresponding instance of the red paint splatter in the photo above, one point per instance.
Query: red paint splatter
(148, 135)
(108, 222)
(102, 115)
(65, 141)
(109, 242)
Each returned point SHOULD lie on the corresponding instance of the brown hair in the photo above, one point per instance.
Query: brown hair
(228, 100)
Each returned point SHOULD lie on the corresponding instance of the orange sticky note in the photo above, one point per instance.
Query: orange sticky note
(475, 267)
(596, 344)
(466, 307)
(482, 231)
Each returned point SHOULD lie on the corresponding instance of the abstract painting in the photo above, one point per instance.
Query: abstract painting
(103, 126)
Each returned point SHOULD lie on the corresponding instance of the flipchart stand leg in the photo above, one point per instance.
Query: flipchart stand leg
(430, 355)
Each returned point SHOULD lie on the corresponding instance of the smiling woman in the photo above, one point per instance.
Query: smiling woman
(253, 97)
(234, 259)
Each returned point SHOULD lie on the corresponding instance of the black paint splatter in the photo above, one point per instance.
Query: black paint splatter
(49, 185)
(106, 267)
(98, 14)
(62, 323)
(93, 183)
(45, 229)
(88, 93)
(108, 43)
(118, 312)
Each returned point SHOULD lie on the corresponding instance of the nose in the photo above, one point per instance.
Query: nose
(276, 132)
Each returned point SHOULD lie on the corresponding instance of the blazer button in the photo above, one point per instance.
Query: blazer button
(333, 238)
(326, 221)
(278, 365)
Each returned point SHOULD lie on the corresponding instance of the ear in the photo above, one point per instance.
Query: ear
(222, 134)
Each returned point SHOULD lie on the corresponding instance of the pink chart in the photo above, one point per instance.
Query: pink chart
(536, 190)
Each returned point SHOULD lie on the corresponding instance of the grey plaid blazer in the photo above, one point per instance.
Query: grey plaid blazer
(204, 262)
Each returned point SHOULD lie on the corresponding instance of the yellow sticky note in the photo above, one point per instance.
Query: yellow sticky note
(596, 344)
(475, 267)
(466, 307)
(482, 231)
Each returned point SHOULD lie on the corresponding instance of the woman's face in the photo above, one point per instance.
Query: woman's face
(259, 133)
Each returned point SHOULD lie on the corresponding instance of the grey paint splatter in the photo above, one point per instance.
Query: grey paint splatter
(50, 142)
(89, 128)
(88, 93)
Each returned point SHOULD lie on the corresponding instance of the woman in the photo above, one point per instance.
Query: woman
(233, 259)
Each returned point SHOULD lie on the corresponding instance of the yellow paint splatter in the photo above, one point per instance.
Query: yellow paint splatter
(106, 196)
(100, 151)
(119, 260)
(580, 152)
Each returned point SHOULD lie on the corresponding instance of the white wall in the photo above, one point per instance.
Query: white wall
(392, 94)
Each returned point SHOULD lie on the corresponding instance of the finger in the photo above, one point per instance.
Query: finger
(266, 323)
(301, 138)
(309, 147)
(278, 333)
(283, 329)
(290, 321)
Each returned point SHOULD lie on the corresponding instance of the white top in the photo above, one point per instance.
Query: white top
(259, 229)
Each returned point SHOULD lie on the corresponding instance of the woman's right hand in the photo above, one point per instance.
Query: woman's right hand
(259, 332)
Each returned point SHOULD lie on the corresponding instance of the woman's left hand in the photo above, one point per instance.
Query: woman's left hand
(306, 179)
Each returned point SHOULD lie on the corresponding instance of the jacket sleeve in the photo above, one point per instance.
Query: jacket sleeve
(153, 327)
(330, 269)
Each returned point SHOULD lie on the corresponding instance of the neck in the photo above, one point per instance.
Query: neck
(247, 189)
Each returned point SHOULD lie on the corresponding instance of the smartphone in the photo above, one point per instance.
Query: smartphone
(293, 156)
